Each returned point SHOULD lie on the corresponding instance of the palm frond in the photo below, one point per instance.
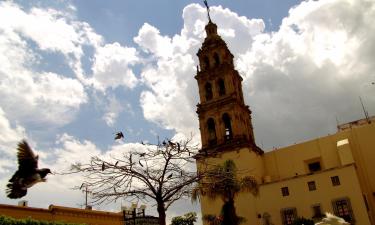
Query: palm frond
(250, 184)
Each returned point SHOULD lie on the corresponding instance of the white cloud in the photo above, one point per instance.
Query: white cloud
(150, 40)
(111, 67)
(10, 134)
(313, 69)
(37, 95)
(113, 109)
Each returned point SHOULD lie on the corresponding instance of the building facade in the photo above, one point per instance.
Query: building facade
(329, 174)
(77, 216)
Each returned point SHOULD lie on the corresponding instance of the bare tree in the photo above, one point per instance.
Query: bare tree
(163, 173)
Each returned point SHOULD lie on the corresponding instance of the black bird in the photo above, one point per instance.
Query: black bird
(142, 154)
(103, 166)
(119, 135)
(27, 174)
(171, 143)
(170, 176)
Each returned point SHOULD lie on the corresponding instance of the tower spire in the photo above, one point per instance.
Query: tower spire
(208, 10)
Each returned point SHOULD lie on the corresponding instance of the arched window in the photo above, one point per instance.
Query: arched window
(211, 131)
(221, 86)
(217, 59)
(227, 127)
(206, 62)
(208, 89)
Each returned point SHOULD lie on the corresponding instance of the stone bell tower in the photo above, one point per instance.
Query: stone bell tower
(224, 119)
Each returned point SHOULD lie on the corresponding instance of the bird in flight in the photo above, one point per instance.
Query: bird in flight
(119, 135)
(27, 174)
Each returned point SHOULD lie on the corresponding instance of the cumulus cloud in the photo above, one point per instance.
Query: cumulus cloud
(111, 67)
(53, 96)
(313, 69)
(296, 80)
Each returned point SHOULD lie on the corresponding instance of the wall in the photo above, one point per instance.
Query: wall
(65, 214)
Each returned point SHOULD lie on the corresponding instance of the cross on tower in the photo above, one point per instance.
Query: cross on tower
(208, 9)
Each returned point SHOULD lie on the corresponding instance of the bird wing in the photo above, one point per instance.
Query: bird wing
(15, 191)
(27, 160)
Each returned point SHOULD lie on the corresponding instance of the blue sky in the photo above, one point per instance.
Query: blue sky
(75, 72)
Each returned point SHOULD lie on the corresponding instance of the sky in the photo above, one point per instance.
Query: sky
(74, 72)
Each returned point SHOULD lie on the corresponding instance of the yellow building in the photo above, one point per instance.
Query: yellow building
(330, 174)
(78, 216)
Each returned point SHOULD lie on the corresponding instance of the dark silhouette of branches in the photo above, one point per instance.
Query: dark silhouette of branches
(163, 173)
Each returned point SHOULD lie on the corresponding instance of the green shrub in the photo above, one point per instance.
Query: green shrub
(11, 221)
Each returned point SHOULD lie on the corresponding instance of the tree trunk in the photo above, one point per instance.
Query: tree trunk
(229, 213)
(161, 211)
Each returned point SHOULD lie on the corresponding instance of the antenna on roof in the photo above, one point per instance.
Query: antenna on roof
(208, 10)
(364, 110)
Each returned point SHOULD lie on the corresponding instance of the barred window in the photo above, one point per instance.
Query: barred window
(311, 185)
(288, 215)
(335, 180)
(285, 191)
(343, 209)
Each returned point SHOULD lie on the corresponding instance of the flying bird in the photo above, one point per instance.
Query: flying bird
(171, 143)
(119, 135)
(27, 174)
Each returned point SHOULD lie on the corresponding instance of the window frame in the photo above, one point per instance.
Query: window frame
(285, 191)
(334, 181)
(311, 185)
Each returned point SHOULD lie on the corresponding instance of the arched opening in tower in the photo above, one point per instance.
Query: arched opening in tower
(211, 131)
(217, 59)
(227, 127)
(206, 63)
(221, 85)
(208, 88)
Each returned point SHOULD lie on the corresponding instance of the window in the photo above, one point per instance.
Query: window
(221, 85)
(288, 215)
(227, 127)
(342, 208)
(211, 131)
(317, 212)
(208, 88)
(217, 59)
(335, 180)
(314, 167)
(311, 185)
(206, 62)
(285, 191)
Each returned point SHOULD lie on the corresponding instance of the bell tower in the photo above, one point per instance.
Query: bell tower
(224, 119)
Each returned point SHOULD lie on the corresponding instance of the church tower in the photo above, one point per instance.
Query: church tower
(224, 119)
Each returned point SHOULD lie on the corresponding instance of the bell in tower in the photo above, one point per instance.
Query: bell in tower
(224, 119)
